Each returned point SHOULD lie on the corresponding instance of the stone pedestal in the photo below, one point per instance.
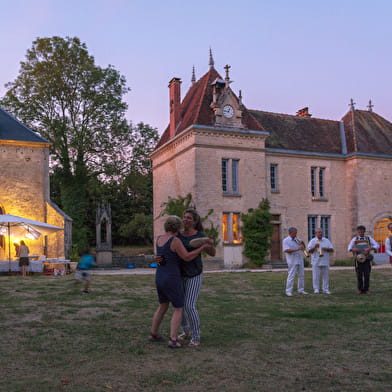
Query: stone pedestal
(104, 257)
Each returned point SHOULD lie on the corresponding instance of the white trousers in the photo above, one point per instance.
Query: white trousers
(295, 269)
(323, 272)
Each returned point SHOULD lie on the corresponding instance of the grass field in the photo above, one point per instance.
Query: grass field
(254, 338)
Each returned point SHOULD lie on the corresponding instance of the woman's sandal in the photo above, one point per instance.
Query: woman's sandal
(194, 343)
(184, 335)
(155, 337)
(174, 343)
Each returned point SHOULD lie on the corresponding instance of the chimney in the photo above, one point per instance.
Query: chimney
(304, 112)
(175, 103)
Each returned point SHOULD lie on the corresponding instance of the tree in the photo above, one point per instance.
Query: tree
(256, 232)
(78, 106)
(139, 229)
(177, 206)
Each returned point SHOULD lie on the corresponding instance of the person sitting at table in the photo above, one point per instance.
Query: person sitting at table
(16, 245)
(23, 254)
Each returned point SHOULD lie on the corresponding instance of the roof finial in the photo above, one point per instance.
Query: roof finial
(370, 106)
(211, 64)
(240, 97)
(351, 104)
(193, 79)
(227, 78)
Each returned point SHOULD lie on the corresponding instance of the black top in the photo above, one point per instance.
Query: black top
(194, 267)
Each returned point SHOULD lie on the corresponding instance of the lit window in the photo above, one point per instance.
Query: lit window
(2, 237)
(225, 220)
(231, 228)
(236, 229)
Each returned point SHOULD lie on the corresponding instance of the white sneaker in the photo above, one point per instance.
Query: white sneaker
(303, 292)
(327, 292)
(316, 292)
(289, 294)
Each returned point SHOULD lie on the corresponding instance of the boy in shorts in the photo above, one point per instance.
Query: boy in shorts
(82, 273)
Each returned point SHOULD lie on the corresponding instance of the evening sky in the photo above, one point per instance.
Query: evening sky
(284, 54)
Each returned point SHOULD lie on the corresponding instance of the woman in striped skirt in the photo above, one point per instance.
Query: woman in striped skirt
(192, 274)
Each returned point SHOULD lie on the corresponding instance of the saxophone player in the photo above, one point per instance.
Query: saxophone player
(364, 267)
(320, 247)
(293, 249)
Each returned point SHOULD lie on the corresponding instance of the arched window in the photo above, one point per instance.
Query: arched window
(381, 232)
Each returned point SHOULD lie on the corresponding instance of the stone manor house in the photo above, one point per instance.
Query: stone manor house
(24, 190)
(315, 172)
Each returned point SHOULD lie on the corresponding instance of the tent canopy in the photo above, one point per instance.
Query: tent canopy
(7, 220)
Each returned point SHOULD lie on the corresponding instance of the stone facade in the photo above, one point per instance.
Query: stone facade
(329, 173)
(24, 190)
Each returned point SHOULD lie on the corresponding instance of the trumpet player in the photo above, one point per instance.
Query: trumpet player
(293, 249)
(320, 248)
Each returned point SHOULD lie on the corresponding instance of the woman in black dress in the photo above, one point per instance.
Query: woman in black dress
(168, 279)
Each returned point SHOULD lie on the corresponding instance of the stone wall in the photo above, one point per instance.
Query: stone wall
(24, 191)
(357, 188)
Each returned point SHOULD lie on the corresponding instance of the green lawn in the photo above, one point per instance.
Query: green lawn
(254, 338)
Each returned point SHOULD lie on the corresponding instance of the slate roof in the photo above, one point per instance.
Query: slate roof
(291, 132)
(365, 131)
(12, 129)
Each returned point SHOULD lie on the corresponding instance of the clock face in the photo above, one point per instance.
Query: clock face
(228, 111)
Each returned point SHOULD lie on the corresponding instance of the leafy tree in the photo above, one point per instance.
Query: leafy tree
(78, 106)
(177, 206)
(139, 229)
(61, 93)
(256, 231)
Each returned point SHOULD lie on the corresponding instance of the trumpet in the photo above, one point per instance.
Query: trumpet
(320, 251)
(300, 242)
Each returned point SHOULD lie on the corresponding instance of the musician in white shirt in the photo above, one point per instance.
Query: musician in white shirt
(293, 249)
(320, 247)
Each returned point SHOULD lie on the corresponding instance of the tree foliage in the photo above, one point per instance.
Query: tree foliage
(177, 206)
(78, 106)
(63, 95)
(139, 229)
(256, 231)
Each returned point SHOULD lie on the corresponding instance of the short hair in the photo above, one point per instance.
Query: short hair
(361, 227)
(172, 224)
(291, 229)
